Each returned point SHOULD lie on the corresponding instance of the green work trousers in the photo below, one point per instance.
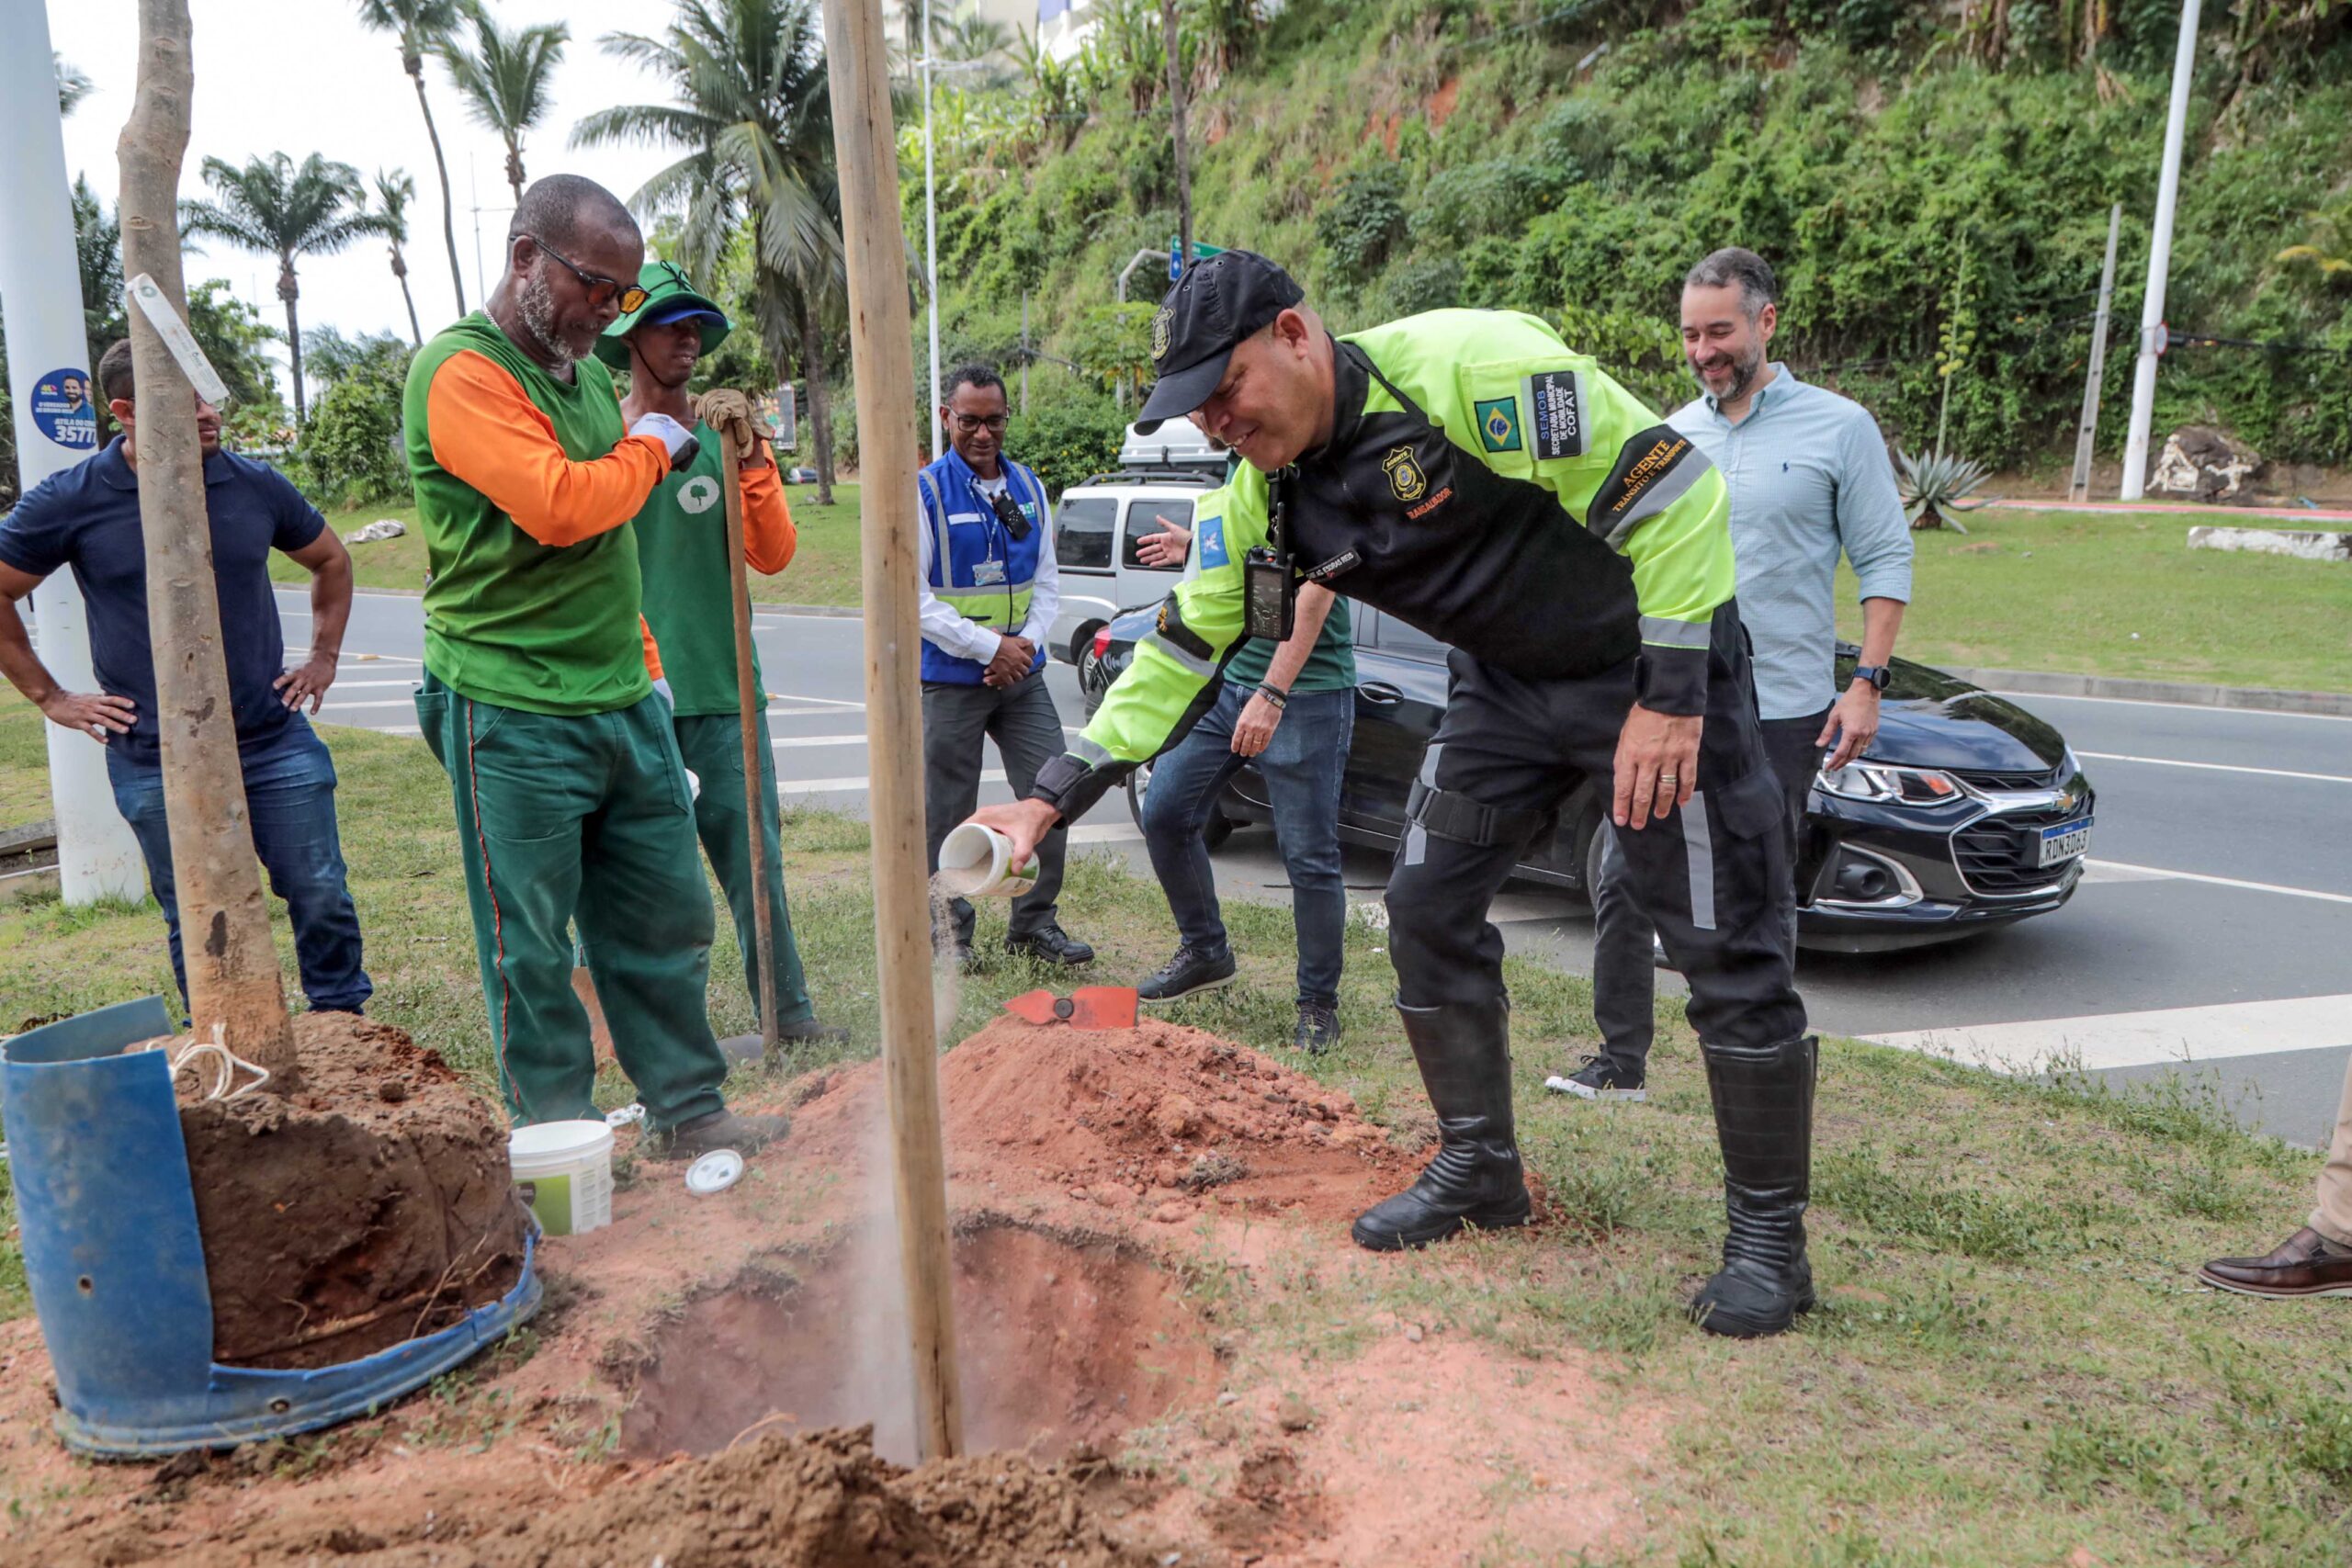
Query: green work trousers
(584, 820)
(712, 745)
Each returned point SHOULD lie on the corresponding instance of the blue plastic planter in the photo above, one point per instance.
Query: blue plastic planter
(116, 1266)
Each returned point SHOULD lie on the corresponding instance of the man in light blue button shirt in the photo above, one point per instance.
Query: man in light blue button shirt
(1809, 477)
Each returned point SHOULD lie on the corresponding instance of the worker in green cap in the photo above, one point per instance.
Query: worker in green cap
(690, 619)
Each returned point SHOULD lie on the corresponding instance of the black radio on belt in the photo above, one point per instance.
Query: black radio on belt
(1008, 512)
(1269, 585)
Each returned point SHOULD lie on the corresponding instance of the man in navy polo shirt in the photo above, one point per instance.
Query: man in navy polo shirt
(88, 518)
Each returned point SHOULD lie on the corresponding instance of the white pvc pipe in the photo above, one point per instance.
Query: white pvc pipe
(2152, 306)
(41, 311)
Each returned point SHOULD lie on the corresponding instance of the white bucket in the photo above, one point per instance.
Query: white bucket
(972, 863)
(563, 1172)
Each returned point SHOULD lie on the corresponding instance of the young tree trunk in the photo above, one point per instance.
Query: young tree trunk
(399, 270)
(821, 402)
(448, 211)
(1176, 103)
(515, 172)
(232, 976)
(289, 293)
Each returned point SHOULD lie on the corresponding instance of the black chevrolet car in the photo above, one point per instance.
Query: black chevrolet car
(1969, 812)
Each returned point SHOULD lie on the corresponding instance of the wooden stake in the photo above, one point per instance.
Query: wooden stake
(881, 335)
(233, 975)
(750, 702)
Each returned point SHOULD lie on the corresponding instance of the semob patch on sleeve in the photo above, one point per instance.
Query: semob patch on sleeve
(1556, 414)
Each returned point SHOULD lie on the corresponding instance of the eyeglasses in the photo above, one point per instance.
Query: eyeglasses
(971, 423)
(601, 289)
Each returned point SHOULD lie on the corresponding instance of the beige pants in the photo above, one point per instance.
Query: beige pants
(2332, 1218)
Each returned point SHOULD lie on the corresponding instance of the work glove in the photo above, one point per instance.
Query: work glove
(676, 438)
(728, 412)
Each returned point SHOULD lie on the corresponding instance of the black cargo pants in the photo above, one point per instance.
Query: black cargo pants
(1715, 875)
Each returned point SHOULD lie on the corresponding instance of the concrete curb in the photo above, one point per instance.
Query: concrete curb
(2047, 683)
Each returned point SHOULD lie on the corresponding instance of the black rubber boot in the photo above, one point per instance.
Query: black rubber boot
(1464, 1051)
(1764, 1118)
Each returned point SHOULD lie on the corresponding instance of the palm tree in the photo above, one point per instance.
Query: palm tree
(394, 191)
(417, 23)
(754, 114)
(505, 78)
(74, 84)
(279, 209)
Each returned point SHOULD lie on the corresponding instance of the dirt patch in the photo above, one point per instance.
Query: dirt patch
(822, 1501)
(1090, 1172)
(1440, 103)
(1064, 1342)
(1157, 1118)
(370, 1207)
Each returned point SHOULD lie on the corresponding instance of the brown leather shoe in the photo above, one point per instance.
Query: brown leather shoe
(2303, 1265)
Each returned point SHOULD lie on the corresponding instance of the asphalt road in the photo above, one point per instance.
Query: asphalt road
(2213, 934)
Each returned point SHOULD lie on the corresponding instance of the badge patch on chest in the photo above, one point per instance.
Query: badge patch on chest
(1497, 423)
(1555, 413)
(1405, 476)
(698, 494)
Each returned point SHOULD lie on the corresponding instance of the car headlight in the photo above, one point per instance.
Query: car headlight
(1889, 785)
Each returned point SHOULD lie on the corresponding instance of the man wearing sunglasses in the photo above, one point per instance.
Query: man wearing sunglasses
(989, 595)
(690, 611)
(571, 802)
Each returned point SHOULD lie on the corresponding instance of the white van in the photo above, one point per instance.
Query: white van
(1098, 524)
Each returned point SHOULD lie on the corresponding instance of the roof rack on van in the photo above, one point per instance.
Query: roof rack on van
(1157, 477)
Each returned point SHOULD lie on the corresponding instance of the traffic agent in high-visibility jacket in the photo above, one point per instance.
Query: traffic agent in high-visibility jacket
(1467, 473)
(981, 568)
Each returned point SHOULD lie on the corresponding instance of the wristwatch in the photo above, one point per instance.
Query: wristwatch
(1878, 675)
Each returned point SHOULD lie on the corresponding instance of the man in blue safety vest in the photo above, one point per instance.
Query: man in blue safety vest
(989, 595)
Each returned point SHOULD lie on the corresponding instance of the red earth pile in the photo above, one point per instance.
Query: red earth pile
(1155, 1116)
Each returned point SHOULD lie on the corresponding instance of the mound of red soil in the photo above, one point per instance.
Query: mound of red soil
(370, 1207)
(821, 1501)
(1154, 1114)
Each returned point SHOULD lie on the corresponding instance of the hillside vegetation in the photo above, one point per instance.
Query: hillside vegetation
(1906, 167)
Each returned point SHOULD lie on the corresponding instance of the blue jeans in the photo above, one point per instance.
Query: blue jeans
(1302, 766)
(290, 800)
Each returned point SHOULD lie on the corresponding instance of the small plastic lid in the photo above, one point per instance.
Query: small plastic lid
(715, 1172)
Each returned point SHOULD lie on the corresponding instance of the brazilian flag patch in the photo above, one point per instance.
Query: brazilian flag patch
(1497, 423)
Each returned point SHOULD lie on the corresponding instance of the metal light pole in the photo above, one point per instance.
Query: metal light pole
(40, 293)
(2152, 308)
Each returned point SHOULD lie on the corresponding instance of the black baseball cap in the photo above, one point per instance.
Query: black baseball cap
(1212, 307)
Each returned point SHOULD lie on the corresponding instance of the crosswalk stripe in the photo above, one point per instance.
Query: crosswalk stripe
(2100, 1041)
(2163, 874)
(2216, 767)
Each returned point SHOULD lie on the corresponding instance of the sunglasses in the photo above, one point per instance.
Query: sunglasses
(601, 290)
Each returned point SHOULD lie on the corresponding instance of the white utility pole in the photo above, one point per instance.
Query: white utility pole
(2152, 308)
(2079, 489)
(930, 238)
(41, 294)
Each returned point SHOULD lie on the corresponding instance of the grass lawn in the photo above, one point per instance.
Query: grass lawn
(823, 569)
(2021, 591)
(2106, 594)
(2011, 1362)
